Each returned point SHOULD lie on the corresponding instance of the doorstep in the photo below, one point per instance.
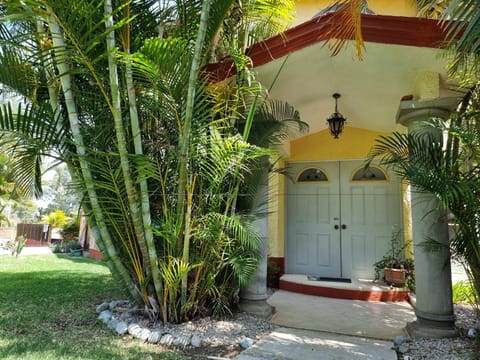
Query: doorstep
(358, 289)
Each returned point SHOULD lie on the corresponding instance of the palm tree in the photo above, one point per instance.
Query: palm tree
(153, 149)
(450, 171)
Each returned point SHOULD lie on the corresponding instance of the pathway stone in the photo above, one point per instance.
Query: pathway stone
(294, 344)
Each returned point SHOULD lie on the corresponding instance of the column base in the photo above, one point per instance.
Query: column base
(258, 308)
(431, 329)
(246, 294)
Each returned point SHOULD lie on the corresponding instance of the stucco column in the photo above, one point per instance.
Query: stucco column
(434, 305)
(253, 296)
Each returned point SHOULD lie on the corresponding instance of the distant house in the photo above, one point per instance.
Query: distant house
(87, 241)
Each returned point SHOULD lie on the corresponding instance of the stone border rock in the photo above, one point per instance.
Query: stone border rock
(124, 318)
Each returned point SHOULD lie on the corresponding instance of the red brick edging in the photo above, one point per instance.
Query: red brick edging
(351, 294)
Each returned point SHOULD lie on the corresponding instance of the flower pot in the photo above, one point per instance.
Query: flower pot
(76, 252)
(395, 277)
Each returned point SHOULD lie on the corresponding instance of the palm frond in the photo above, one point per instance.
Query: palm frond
(229, 158)
(17, 76)
(347, 25)
(432, 9)
(462, 22)
(36, 125)
(274, 122)
(29, 133)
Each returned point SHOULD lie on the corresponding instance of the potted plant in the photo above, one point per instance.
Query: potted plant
(75, 248)
(397, 270)
(273, 275)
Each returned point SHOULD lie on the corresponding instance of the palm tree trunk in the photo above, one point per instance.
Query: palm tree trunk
(56, 108)
(185, 143)
(67, 83)
(50, 71)
(133, 199)
(101, 246)
(144, 195)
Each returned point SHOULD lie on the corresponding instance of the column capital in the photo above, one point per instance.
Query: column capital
(411, 111)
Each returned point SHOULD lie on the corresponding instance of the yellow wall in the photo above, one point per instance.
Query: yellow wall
(397, 7)
(354, 143)
(276, 212)
(306, 9)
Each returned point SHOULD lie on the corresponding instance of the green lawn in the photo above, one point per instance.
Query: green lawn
(47, 311)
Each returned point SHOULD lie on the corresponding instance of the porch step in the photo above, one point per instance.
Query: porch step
(358, 289)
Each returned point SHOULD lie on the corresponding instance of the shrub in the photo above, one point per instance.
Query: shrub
(70, 230)
(56, 218)
(66, 246)
(463, 292)
(17, 246)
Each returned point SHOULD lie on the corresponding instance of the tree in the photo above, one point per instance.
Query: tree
(56, 218)
(116, 91)
(6, 188)
(57, 193)
(14, 204)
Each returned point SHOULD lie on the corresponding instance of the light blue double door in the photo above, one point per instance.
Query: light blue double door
(339, 218)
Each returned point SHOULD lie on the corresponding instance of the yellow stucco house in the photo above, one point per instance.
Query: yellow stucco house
(327, 218)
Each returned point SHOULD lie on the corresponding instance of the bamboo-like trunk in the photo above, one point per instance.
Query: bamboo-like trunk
(144, 195)
(50, 70)
(101, 246)
(185, 143)
(133, 199)
(57, 109)
(67, 83)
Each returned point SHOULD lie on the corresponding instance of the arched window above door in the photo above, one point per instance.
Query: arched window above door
(312, 175)
(372, 173)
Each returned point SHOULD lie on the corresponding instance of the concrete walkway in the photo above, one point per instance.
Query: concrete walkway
(325, 328)
(29, 250)
(295, 344)
(36, 250)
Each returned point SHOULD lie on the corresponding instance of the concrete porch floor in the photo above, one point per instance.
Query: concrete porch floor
(377, 320)
(321, 328)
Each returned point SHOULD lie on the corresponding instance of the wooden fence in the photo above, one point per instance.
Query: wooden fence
(35, 234)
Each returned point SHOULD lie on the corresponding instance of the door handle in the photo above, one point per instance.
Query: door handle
(336, 227)
(344, 226)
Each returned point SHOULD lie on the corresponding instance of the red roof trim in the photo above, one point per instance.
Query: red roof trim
(397, 30)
